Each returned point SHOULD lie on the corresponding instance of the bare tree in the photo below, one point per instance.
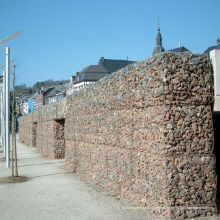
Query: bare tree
(13, 129)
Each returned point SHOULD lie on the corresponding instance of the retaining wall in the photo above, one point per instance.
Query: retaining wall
(144, 133)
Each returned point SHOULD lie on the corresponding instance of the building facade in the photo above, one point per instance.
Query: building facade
(93, 73)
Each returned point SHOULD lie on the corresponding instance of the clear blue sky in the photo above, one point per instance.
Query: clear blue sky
(62, 37)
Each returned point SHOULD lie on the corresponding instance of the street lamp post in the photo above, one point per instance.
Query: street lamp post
(7, 106)
(3, 113)
(7, 94)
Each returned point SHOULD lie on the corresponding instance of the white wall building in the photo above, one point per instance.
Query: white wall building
(93, 73)
(25, 108)
(87, 76)
(215, 60)
(56, 94)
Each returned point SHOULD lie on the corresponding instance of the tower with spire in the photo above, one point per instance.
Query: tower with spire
(159, 48)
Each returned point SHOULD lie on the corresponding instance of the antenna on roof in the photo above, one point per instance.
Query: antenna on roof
(158, 22)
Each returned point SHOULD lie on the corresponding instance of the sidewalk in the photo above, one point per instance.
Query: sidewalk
(52, 193)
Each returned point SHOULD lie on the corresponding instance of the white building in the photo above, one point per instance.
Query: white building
(93, 73)
(25, 107)
(56, 94)
(87, 76)
(214, 55)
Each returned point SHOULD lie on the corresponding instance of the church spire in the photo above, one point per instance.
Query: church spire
(159, 48)
(159, 38)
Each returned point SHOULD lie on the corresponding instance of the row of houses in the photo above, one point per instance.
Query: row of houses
(42, 97)
(88, 75)
(93, 73)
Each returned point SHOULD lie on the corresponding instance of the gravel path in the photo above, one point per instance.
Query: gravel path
(52, 193)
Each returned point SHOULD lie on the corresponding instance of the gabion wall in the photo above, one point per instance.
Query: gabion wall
(144, 133)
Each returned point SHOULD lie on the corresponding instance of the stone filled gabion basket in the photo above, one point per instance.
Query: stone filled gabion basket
(144, 133)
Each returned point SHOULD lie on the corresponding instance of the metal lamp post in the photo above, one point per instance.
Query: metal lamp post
(7, 94)
(3, 113)
(7, 106)
(2, 109)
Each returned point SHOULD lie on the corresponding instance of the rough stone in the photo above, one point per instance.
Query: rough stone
(144, 133)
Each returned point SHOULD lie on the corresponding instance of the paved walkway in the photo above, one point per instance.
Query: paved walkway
(53, 193)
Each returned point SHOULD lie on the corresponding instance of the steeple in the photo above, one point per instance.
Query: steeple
(159, 38)
(159, 48)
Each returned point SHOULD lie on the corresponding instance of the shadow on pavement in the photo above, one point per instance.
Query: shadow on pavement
(39, 164)
(52, 174)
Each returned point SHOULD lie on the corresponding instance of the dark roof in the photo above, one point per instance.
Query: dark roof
(46, 90)
(91, 73)
(210, 48)
(60, 89)
(114, 65)
(213, 47)
(180, 50)
(33, 96)
(96, 72)
(94, 69)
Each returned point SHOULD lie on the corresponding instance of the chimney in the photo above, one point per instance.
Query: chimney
(218, 43)
(102, 59)
(71, 79)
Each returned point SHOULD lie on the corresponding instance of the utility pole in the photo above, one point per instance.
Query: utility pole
(13, 129)
(3, 115)
(7, 101)
(7, 106)
(3, 121)
(2, 109)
